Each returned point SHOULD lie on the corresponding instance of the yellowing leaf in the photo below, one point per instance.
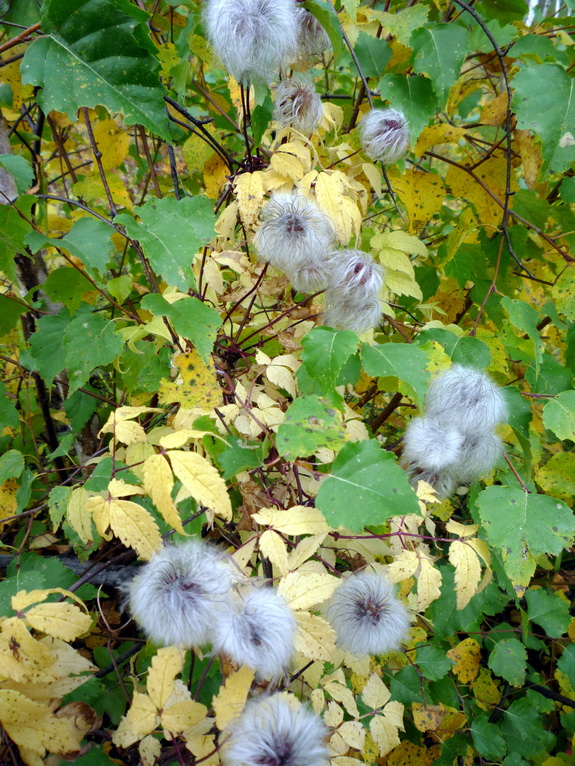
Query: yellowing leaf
(250, 194)
(492, 173)
(399, 283)
(421, 193)
(77, 515)
(404, 566)
(462, 530)
(304, 549)
(467, 657)
(467, 571)
(329, 191)
(230, 701)
(202, 481)
(215, 175)
(24, 599)
(198, 386)
(166, 665)
(158, 483)
(182, 715)
(298, 520)
(113, 142)
(120, 424)
(399, 240)
(443, 133)
(141, 719)
(306, 589)
(495, 110)
(428, 584)
(135, 527)
(274, 548)
(315, 638)
(437, 718)
(287, 166)
(343, 694)
(197, 152)
(22, 657)
(60, 620)
(353, 734)
(150, 750)
(8, 502)
(531, 157)
(384, 734)
(375, 693)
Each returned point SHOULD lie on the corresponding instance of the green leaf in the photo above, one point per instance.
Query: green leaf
(260, 118)
(101, 50)
(67, 285)
(439, 52)
(373, 54)
(58, 504)
(20, 170)
(401, 25)
(47, 345)
(11, 465)
(171, 231)
(366, 486)
(509, 660)
(195, 320)
(544, 101)
(504, 10)
(10, 312)
(566, 663)
(433, 662)
(89, 239)
(13, 230)
(405, 685)
(523, 526)
(310, 423)
(400, 360)
(471, 352)
(523, 731)
(240, 457)
(559, 415)
(412, 95)
(325, 352)
(325, 13)
(487, 739)
(548, 610)
(525, 318)
(8, 412)
(90, 341)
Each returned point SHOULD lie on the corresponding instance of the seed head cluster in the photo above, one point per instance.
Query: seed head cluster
(384, 135)
(190, 594)
(367, 616)
(454, 442)
(297, 104)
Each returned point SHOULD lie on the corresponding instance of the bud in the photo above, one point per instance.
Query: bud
(254, 38)
(294, 233)
(467, 398)
(257, 630)
(384, 135)
(275, 731)
(297, 104)
(174, 596)
(429, 446)
(367, 616)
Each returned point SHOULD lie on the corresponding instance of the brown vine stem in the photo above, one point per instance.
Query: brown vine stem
(524, 487)
(19, 38)
(490, 291)
(98, 157)
(150, 162)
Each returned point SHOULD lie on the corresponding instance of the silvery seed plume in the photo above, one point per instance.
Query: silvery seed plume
(384, 135)
(312, 38)
(355, 276)
(294, 233)
(310, 279)
(297, 104)
(349, 315)
(467, 398)
(432, 447)
(257, 630)
(479, 455)
(444, 482)
(367, 616)
(255, 39)
(175, 596)
(270, 732)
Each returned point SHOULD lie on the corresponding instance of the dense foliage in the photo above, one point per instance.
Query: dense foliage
(161, 382)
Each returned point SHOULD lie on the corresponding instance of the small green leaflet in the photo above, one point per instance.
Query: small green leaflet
(559, 415)
(509, 660)
(20, 170)
(11, 465)
(90, 341)
(325, 351)
(372, 54)
(548, 610)
(525, 318)
(399, 360)
(13, 230)
(366, 487)
(310, 423)
(433, 662)
(89, 239)
(439, 51)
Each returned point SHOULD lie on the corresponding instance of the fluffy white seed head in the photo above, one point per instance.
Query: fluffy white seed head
(254, 38)
(367, 616)
(384, 135)
(297, 104)
(310, 279)
(258, 630)
(479, 455)
(175, 596)
(270, 732)
(351, 315)
(430, 446)
(312, 38)
(443, 482)
(467, 398)
(294, 233)
(355, 276)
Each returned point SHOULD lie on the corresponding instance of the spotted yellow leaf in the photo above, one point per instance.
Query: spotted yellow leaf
(140, 720)
(196, 386)
(182, 715)
(422, 194)
(113, 143)
(306, 589)
(315, 638)
(428, 584)
(61, 620)
(165, 666)
(158, 483)
(120, 423)
(299, 520)
(231, 699)
(467, 571)
(375, 693)
(467, 657)
(443, 133)
(202, 481)
(250, 195)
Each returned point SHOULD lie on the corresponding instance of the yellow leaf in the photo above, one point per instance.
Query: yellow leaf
(421, 193)
(443, 133)
(298, 520)
(60, 620)
(467, 657)
(250, 194)
(438, 718)
(135, 527)
(197, 152)
(8, 502)
(304, 549)
(215, 175)
(492, 173)
(353, 734)
(92, 189)
(274, 548)
(166, 665)
(22, 658)
(495, 110)
(150, 750)
(113, 142)
(531, 156)
(100, 510)
(11, 75)
(34, 726)
(461, 530)
(141, 719)
(375, 693)
(343, 694)
(428, 584)
(78, 516)
(401, 284)
(315, 638)
(467, 571)
(374, 176)
(231, 699)
(24, 599)
(408, 754)
(329, 190)
(202, 481)
(485, 690)
(287, 166)
(404, 566)
(158, 483)
(182, 715)
(399, 240)
(198, 386)
(303, 590)
(384, 734)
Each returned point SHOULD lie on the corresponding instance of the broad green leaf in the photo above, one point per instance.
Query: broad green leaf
(471, 352)
(194, 320)
(10, 312)
(412, 95)
(559, 415)
(567, 663)
(13, 230)
(525, 318)
(433, 662)
(47, 345)
(544, 101)
(504, 10)
(439, 52)
(487, 739)
(373, 54)
(8, 412)
(90, 341)
(171, 231)
(260, 118)
(366, 487)
(400, 360)
(508, 659)
(240, 456)
(101, 50)
(523, 730)
(11, 465)
(548, 610)
(310, 423)
(20, 170)
(327, 17)
(67, 285)
(401, 25)
(523, 526)
(325, 351)
(89, 239)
